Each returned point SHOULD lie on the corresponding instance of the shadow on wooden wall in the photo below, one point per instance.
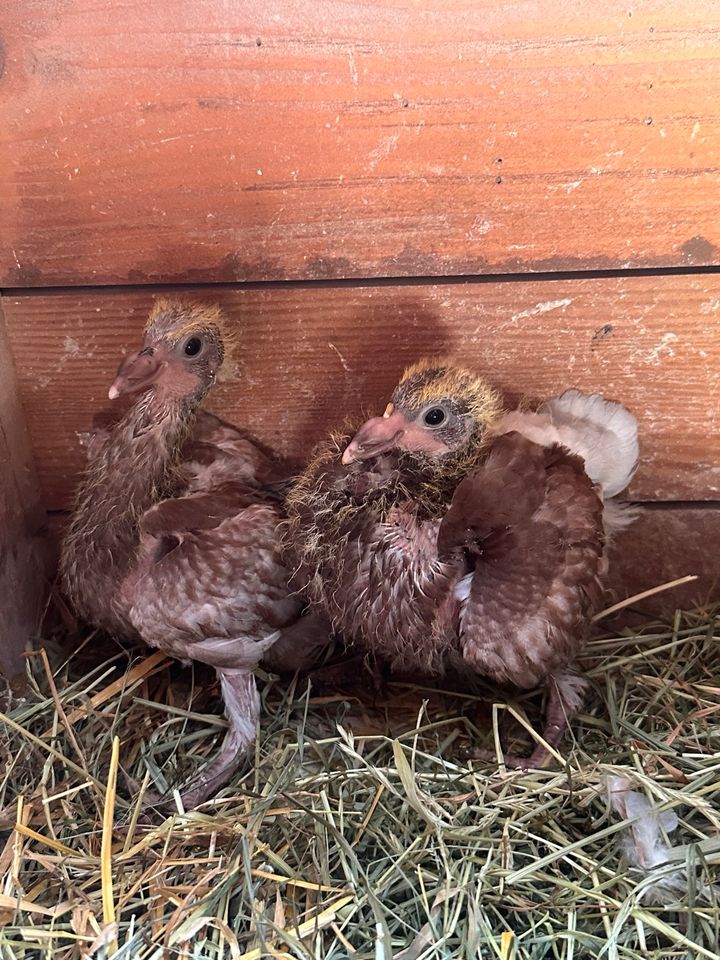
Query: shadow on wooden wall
(393, 152)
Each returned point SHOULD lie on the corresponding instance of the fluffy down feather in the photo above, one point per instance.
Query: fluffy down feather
(602, 432)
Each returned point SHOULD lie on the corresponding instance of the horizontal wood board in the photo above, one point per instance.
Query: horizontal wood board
(308, 357)
(664, 545)
(202, 140)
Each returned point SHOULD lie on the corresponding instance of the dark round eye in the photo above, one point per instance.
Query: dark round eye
(434, 417)
(193, 347)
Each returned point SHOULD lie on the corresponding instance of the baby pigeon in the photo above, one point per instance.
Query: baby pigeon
(448, 535)
(174, 533)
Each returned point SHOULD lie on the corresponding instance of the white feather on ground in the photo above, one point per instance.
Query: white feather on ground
(647, 848)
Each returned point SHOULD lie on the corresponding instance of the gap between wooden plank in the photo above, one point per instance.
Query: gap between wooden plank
(400, 281)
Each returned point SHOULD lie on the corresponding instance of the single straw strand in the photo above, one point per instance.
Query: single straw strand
(108, 901)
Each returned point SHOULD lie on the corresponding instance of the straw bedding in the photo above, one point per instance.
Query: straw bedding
(361, 828)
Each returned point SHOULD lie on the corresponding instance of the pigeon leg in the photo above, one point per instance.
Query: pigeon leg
(242, 708)
(565, 695)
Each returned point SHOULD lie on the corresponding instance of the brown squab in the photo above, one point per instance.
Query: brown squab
(174, 535)
(448, 535)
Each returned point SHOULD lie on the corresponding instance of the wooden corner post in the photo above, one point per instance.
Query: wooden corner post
(23, 564)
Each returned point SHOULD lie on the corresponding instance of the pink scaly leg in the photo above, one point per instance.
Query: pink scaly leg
(242, 708)
(565, 696)
(234, 659)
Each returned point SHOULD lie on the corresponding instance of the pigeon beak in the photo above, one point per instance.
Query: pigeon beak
(375, 436)
(137, 371)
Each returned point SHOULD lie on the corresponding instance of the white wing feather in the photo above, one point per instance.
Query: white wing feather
(602, 432)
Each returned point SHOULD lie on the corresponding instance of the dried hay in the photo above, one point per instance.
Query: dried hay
(360, 830)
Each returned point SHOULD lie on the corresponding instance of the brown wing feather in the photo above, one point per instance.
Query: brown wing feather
(218, 453)
(209, 581)
(200, 511)
(530, 522)
(212, 592)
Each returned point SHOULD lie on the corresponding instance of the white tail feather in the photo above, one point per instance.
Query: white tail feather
(602, 432)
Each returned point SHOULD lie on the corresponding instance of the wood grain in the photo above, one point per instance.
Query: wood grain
(309, 357)
(661, 546)
(23, 556)
(201, 140)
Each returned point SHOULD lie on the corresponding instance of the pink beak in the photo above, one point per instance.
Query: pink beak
(137, 371)
(375, 436)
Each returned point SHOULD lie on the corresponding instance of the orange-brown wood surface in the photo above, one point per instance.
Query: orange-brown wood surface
(23, 584)
(661, 546)
(203, 140)
(307, 357)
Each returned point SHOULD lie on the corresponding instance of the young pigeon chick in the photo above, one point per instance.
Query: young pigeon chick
(436, 540)
(174, 533)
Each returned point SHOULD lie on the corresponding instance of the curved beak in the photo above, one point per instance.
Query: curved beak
(137, 371)
(375, 436)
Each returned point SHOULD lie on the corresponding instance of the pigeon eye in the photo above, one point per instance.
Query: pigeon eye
(434, 417)
(193, 347)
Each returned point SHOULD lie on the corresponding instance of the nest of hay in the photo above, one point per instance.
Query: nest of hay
(361, 829)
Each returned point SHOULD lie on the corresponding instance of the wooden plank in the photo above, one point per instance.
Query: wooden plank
(200, 140)
(661, 546)
(308, 357)
(23, 558)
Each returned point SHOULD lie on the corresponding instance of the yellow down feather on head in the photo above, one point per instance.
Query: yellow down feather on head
(174, 319)
(438, 379)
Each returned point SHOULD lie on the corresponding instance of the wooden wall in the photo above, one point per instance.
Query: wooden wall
(307, 357)
(201, 140)
(533, 187)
